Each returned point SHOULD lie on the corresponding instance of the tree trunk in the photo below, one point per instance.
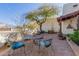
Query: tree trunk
(40, 28)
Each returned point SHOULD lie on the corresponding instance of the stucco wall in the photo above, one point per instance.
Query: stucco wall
(51, 24)
(65, 30)
(67, 9)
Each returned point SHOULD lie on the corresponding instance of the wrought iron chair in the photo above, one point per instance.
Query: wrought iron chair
(14, 44)
(42, 43)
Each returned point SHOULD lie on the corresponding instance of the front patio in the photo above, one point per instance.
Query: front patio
(58, 48)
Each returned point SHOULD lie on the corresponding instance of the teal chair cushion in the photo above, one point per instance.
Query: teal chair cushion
(16, 45)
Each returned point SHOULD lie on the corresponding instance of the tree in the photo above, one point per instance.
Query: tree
(41, 14)
(31, 26)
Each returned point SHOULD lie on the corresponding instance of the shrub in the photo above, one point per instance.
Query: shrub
(74, 37)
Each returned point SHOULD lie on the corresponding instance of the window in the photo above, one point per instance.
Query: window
(75, 5)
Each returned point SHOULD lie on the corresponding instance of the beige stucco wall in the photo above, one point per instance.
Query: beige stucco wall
(67, 9)
(66, 23)
(51, 24)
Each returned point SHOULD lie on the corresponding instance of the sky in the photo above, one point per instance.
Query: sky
(12, 13)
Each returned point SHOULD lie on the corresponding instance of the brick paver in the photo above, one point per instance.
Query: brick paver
(61, 47)
(58, 48)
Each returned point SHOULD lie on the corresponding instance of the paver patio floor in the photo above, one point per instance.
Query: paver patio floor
(58, 48)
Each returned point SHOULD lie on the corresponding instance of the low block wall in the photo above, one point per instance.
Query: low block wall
(74, 47)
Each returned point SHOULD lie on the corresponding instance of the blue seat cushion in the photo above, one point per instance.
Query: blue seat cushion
(45, 43)
(16, 45)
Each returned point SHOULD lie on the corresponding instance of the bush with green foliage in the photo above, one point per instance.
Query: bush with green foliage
(74, 37)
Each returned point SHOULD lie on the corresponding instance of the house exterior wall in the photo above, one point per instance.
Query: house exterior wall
(65, 30)
(51, 24)
(67, 9)
(70, 7)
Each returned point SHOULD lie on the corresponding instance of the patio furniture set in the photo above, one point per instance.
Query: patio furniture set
(31, 41)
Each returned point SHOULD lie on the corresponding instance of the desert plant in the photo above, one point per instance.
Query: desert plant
(74, 37)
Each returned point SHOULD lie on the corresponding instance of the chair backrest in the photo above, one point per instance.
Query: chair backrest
(26, 37)
(44, 42)
(9, 37)
(47, 42)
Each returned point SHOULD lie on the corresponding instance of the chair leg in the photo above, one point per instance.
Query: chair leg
(24, 51)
